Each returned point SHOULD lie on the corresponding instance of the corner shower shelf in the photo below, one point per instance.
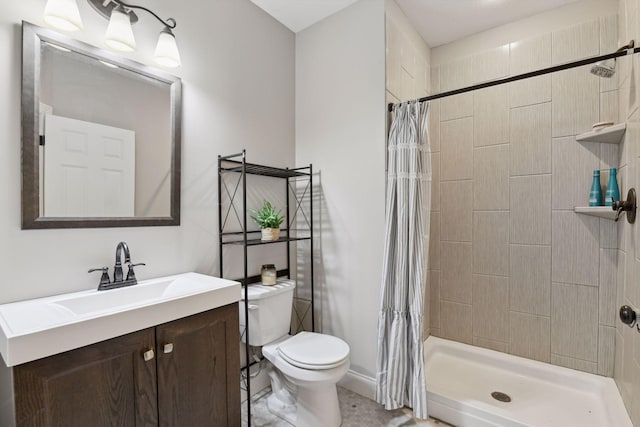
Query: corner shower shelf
(609, 135)
(600, 211)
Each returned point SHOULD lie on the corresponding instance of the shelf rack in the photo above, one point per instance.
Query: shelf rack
(237, 164)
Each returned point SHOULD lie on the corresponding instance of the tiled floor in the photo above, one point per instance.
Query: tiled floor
(357, 411)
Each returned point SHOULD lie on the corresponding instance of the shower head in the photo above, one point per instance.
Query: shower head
(607, 68)
(604, 69)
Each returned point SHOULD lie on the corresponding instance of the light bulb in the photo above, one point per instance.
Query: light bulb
(167, 53)
(119, 34)
(63, 15)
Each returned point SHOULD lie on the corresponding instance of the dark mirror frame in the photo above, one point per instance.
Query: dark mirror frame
(32, 37)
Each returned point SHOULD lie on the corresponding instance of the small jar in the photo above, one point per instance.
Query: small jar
(268, 273)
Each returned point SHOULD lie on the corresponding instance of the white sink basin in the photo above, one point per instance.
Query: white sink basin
(114, 299)
(33, 329)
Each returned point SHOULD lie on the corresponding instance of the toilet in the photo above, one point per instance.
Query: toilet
(303, 368)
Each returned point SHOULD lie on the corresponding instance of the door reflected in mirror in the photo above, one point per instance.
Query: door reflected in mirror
(88, 169)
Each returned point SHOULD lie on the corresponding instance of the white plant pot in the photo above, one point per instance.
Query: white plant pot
(269, 234)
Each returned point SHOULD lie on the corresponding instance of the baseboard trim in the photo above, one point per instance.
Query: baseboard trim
(359, 383)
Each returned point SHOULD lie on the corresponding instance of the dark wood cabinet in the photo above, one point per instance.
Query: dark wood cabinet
(181, 373)
(198, 370)
(90, 386)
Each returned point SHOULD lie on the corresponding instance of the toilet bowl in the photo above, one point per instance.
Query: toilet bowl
(313, 363)
(304, 368)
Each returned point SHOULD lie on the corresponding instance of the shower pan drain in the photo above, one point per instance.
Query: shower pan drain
(502, 397)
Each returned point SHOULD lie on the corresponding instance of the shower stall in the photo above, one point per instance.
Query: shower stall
(474, 387)
(525, 279)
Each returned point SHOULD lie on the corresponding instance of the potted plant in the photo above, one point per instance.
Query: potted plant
(269, 221)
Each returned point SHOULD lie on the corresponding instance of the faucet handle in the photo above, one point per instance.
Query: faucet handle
(104, 279)
(131, 275)
(628, 206)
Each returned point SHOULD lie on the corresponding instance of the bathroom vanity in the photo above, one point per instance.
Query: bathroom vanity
(182, 372)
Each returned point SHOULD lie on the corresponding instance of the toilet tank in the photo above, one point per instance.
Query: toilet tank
(269, 312)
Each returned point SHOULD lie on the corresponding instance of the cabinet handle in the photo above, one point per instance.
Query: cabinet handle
(148, 355)
(168, 348)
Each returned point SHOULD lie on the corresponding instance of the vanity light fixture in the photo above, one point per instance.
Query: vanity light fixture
(167, 50)
(119, 36)
(64, 15)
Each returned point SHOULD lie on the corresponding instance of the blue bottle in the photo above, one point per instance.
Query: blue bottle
(613, 192)
(595, 197)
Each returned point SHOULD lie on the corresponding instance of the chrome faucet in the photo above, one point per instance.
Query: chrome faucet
(118, 277)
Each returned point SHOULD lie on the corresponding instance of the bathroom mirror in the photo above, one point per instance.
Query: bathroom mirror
(100, 137)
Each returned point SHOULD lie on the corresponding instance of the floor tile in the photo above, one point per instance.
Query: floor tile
(357, 411)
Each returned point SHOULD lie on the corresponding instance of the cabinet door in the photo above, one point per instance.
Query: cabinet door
(199, 370)
(103, 384)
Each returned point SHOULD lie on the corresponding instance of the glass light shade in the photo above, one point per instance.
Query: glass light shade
(63, 15)
(167, 53)
(119, 32)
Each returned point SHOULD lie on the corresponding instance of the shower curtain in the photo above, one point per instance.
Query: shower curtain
(400, 367)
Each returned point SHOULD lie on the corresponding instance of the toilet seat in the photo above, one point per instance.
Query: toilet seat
(310, 350)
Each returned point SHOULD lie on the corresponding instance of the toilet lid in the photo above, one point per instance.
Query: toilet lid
(310, 350)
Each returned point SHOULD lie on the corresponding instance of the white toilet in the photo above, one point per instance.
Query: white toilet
(305, 367)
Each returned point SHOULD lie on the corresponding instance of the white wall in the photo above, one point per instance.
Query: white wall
(238, 69)
(555, 19)
(340, 128)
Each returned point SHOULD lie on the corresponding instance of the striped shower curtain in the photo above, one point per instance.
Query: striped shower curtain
(400, 368)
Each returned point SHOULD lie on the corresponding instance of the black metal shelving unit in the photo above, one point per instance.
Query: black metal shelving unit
(237, 164)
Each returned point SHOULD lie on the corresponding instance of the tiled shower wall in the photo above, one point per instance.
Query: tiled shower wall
(407, 58)
(512, 267)
(627, 340)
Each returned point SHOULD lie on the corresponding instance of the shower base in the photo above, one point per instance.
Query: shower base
(462, 378)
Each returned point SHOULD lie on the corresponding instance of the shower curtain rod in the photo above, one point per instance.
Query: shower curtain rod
(523, 76)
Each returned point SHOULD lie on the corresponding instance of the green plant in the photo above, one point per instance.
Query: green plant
(267, 216)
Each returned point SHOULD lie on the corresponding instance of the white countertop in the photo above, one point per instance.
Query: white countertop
(42, 327)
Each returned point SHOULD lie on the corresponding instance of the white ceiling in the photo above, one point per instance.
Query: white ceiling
(300, 14)
(444, 21)
(438, 21)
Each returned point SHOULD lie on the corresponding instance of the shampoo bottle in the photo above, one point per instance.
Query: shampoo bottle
(613, 192)
(595, 197)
